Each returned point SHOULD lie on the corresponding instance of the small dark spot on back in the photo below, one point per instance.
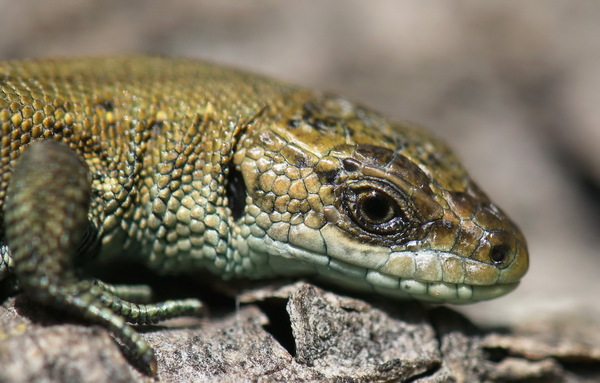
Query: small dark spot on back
(309, 109)
(324, 125)
(293, 123)
(107, 105)
(319, 121)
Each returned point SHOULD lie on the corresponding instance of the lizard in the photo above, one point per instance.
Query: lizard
(182, 165)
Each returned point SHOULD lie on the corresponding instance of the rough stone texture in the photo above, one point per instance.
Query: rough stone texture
(300, 333)
(36, 347)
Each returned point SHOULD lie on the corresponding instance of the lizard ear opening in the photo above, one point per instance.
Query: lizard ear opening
(236, 192)
(236, 186)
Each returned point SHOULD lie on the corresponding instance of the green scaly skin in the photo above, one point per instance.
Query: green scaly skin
(186, 166)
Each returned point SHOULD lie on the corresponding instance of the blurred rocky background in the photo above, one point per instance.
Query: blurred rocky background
(513, 86)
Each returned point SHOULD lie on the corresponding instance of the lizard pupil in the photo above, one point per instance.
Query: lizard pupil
(376, 207)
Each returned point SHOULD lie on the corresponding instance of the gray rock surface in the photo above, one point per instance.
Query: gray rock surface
(300, 333)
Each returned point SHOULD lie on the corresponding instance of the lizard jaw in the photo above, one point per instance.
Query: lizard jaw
(425, 275)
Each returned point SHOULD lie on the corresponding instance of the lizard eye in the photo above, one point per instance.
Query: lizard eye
(375, 207)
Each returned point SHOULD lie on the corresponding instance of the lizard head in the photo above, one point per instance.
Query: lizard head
(342, 193)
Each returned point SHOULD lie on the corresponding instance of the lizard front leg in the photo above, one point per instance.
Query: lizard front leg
(46, 215)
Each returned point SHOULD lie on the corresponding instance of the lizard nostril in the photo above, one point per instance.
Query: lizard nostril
(499, 254)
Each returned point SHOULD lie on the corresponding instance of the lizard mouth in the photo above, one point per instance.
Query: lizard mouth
(407, 288)
(425, 275)
(434, 287)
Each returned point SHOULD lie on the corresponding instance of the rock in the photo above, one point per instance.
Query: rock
(299, 333)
